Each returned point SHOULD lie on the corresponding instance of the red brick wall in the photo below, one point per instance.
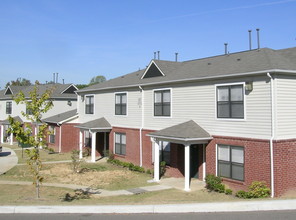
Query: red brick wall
(70, 137)
(284, 166)
(257, 160)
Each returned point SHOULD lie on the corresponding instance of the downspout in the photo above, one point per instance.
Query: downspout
(142, 124)
(272, 134)
(60, 139)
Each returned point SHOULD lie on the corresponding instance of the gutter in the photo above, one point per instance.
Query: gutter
(272, 134)
(141, 128)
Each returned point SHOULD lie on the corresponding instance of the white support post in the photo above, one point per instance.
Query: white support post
(204, 162)
(156, 161)
(187, 167)
(2, 134)
(60, 140)
(80, 144)
(93, 146)
(105, 144)
(11, 138)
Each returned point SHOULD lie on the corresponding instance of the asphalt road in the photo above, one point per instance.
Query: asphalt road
(270, 215)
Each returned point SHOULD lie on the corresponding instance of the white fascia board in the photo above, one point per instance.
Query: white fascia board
(180, 139)
(69, 87)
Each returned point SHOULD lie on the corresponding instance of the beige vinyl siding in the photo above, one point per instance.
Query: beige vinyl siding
(197, 101)
(285, 107)
(104, 106)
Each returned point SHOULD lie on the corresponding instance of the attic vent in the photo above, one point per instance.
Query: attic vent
(152, 71)
(8, 91)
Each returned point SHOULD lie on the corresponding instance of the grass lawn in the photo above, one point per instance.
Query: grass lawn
(100, 175)
(25, 195)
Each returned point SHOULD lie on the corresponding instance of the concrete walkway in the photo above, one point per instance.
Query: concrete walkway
(8, 160)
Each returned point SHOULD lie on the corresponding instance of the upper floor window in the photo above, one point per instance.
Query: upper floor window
(120, 143)
(231, 162)
(29, 110)
(162, 102)
(230, 101)
(8, 107)
(120, 103)
(89, 104)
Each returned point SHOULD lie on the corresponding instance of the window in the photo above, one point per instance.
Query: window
(165, 152)
(231, 162)
(8, 107)
(230, 101)
(29, 110)
(162, 103)
(120, 104)
(51, 134)
(87, 139)
(120, 143)
(89, 104)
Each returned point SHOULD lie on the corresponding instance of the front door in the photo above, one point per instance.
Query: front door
(194, 161)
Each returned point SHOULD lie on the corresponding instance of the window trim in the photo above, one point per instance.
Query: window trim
(217, 161)
(119, 93)
(153, 103)
(53, 134)
(244, 102)
(85, 97)
(7, 108)
(119, 133)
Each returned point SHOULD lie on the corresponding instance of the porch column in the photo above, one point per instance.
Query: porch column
(93, 146)
(11, 138)
(80, 144)
(156, 160)
(204, 162)
(187, 167)
(60, 140)
(105, 144)
(2, 134)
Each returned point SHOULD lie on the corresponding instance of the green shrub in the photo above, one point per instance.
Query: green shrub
(228, 191)
(148, 171)
(162, 168)
(220, 188)
(242, 194)
(212, 182)
(259, 190)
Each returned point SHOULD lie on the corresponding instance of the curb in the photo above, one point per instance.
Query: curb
(247, 206)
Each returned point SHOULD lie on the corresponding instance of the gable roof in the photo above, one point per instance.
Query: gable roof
(98, 124)
(16, 118)
(187, 131)
(61, 118)
(59, 91)
(152, 71)
(236, 64)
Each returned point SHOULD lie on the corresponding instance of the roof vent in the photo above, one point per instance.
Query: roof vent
(176, 57)
(209, 63)
(258, 40)
(238, 59)
(225, 45)
(250, 40)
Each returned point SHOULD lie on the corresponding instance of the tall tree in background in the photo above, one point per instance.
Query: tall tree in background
(37, 104)
(19, 82)
(97, 79)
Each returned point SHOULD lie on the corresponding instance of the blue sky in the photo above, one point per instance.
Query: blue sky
(80, 39)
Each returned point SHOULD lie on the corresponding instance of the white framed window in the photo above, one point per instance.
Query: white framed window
(8, 107)
(230, 101)
(52, 134)
(120, 143)
(121, 103)
(89, 104)
(230, 161)
(162, 102)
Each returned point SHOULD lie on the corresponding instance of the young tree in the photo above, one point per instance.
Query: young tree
(37, 104)
(97, 79)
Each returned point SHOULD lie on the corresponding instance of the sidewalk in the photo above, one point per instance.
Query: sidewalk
(247, 206)
(8, 160)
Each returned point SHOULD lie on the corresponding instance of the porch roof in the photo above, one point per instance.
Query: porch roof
(16, 118)
(188, 131)
(62, 117)
(98, 124)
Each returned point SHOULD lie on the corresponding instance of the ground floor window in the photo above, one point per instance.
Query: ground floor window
(87, 139)
(52, 134)
(230, 162)
(165, 152)
(120, 143)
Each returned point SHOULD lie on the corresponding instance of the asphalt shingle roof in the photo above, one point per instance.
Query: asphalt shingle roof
(185, 131)
(16, 118)
(100, 123)
(61, 117)
(252, 61)
(57, 91)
